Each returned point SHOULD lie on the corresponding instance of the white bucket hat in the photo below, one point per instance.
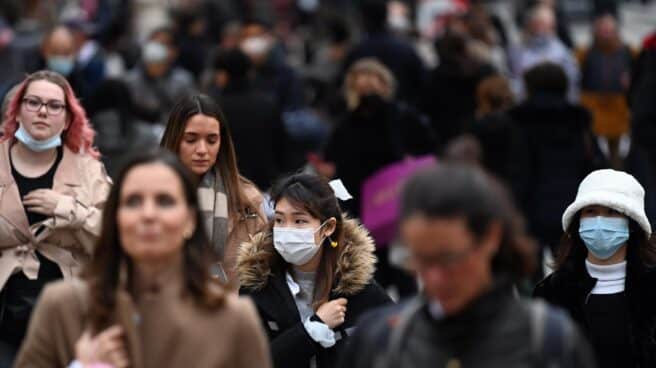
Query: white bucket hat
(613, 189)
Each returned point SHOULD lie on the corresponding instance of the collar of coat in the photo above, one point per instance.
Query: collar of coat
(355, 265)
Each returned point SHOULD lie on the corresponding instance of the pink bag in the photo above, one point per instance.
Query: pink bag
(380, 197)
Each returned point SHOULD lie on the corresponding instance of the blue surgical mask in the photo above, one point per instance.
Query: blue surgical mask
(61, 64)
(540, 40)
(35, 145)
(603, 236)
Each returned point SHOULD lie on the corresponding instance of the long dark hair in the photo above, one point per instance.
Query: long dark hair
(103, 272)
(226, 161)
(313, 194)
(453, 191)
(572, 252)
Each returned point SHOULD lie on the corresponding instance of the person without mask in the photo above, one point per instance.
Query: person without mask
(541, 45)
(310, 274)
(232, 206)
(147, 298)
(605, 76)
(52, 192)
(604, 271)
(468, 247)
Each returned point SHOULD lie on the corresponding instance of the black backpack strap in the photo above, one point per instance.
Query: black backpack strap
(392, 358)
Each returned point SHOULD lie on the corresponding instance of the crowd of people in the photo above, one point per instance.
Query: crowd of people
(190, 182)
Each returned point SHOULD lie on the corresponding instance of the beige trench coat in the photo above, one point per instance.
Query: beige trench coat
(68, 237)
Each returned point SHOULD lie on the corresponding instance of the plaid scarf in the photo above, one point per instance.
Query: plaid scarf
(213, 203)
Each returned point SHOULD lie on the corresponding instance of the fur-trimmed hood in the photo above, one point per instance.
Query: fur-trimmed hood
(355, 265)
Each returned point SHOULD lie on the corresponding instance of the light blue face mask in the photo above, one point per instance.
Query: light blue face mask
(603, 236)
(540, 40)
(61, 64)
(35, 145)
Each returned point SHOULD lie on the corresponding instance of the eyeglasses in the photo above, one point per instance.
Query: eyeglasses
(445, 261)
(53, 107)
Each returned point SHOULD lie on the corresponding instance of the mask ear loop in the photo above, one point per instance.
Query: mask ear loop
(333, 243)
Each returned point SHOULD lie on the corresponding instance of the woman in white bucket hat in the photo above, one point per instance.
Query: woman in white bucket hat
(604, 272)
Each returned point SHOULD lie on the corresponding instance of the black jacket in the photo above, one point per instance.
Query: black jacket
(399, 56)
(500, 141)
(257, 131)
(362, 144)
(642, 97)
(449, 98)
(558, 152)
(570, 286)
(494, 331)
(291, 345)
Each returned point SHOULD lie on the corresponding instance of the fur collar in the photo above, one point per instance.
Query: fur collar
(355, 266)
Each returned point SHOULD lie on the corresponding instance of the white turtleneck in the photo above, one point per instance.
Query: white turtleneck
(610, 278)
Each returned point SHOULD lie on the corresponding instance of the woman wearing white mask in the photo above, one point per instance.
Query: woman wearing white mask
(310, 275)
(52, 191)
(604, 271)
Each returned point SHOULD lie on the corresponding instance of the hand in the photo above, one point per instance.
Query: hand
(333, 312)
(106, 347)
(43, 201)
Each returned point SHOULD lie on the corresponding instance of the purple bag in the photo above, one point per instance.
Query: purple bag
(380, 197)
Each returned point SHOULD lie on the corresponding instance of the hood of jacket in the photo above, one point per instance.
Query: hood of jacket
(355, 264)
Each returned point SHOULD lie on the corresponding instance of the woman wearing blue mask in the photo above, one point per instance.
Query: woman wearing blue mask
(604, 270)
(310, 275)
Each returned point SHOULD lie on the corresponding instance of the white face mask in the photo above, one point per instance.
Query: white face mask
(256, 45)
(154, 52)
(296, 246)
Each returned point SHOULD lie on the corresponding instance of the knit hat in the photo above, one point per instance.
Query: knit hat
(613, 189)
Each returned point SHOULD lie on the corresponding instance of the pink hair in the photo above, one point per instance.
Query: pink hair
(79, 135)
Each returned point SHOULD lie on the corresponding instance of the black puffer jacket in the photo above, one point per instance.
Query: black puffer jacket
(558, 152)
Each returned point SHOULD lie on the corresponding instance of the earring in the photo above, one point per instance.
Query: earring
(333, 243)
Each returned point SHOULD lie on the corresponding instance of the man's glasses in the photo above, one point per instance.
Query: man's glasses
(53, 107)
(446, 261)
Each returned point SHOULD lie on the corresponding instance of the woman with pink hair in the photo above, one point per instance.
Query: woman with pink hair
(52, 191)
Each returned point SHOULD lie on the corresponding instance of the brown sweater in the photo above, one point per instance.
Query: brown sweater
(162, 329)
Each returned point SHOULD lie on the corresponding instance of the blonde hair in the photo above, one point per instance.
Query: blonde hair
(371, 66)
